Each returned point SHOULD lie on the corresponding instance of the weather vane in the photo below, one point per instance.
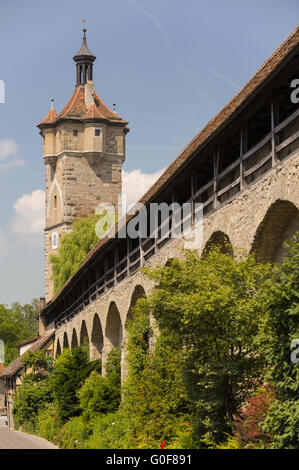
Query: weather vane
(84, 23)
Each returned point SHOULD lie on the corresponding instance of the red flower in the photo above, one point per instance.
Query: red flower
(162, 444)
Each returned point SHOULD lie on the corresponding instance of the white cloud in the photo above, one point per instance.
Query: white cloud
(136, 183)
(9, 154)
(29, 219)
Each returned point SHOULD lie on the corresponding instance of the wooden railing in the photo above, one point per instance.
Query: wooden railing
(146, 248)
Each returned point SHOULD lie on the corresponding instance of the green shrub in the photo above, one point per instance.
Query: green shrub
(73, 433)
(69, 373)
(101, 394)
(108, 432)
(31, 397)
(281, 327)
(47, 422)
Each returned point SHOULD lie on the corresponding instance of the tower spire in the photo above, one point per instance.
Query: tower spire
(84, 62)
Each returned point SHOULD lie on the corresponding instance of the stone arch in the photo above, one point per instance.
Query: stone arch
(138, 293)
(74, 342)
(280, 223)
(58, 349)
(169, 262)
(65, 341)
(113, 330)
(84, 338)
(97, 339)
(221, 240)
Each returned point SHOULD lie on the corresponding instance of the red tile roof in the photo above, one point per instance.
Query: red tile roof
(50, 118)
(17, 364)
(93, 113)
(76, 109)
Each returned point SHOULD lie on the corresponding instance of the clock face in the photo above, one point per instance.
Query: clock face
(54, 241)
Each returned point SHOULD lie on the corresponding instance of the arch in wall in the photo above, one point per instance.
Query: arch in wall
(170, 261)
(280, 223)
(65, 341)
(138, 293)
(97, 339)
(74, 342)
(113, 330)
(58, 349)
(221, 240)
(83, 334)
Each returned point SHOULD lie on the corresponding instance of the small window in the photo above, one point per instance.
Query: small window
(97, 132)
(75, 133)
(55, 202)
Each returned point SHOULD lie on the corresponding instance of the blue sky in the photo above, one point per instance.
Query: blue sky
(169, 66)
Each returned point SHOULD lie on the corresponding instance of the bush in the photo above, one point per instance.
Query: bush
(31, 397)
(108, 432)
(281, 327)
(155, 406)
(73, 433)
(69, 373)
(247, 428)
(47, 422)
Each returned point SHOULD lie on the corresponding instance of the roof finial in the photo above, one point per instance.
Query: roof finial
(114, 107)
(52, 103)
(84, 27)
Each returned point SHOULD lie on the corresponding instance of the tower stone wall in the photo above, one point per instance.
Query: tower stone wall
(83, 152)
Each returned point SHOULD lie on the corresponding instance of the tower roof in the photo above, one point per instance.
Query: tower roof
(84, 52)
(51, 116)
(76, 109)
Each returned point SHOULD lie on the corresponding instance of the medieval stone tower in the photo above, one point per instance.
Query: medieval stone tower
(83, 152)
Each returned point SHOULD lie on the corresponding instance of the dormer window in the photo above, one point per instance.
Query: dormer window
(97, 132)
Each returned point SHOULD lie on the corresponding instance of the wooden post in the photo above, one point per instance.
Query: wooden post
(128, 255)
(242, 179)
(192, 200)
(115, 253)
(273, 108)
(105, 272)
(216, 171)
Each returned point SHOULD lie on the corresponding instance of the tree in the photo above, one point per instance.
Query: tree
(37, 361)
(69, 373)
(247, 428)
(72, 250)
(155, 406)
(280, 328)
(17, 324)
(28, 314)
(102, 394)
(215, 307)
(74, 246)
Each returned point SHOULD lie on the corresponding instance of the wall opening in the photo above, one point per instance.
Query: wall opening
(221, 240)
(74, 343)
(97, 340)
(280, 223)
